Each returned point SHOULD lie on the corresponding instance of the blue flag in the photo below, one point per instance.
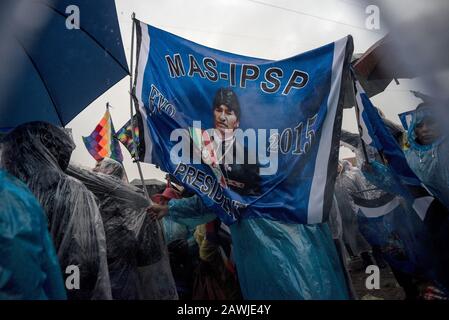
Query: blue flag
(252, 137)
(394, 175)
(406, 118)
(403, 239)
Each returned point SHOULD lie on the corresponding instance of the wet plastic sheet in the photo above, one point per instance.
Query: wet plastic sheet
(430, 163)
(134, 241)
(349, 180)
(406, 243)
(297, 261)
(38, 154)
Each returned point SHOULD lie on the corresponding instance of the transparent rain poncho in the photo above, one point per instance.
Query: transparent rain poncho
(405, 241)
(348, 181)
(134, 241)
(336, 227)
(38, 153)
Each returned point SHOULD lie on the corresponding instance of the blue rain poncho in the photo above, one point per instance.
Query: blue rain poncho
(29, 267)
(276, 260)
(431, 164)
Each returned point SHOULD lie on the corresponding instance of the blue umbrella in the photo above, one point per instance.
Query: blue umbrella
(51, 72)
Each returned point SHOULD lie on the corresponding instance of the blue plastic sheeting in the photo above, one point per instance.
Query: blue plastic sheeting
(402, 238)
(276, 260)
(29, 267)
(49, 72)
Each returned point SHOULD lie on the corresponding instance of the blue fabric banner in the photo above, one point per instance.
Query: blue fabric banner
(406, 118)
(252, 137)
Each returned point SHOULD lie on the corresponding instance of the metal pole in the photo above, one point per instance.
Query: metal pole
(133, 125)
(357, 114)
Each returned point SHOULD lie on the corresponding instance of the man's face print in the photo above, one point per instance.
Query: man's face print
(225, 120)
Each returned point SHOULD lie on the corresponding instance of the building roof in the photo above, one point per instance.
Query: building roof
(148, 182)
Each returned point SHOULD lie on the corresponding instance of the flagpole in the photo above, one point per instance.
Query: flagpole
(133, 125)
(357, 114)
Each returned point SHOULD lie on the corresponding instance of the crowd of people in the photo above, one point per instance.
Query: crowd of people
(59, 219)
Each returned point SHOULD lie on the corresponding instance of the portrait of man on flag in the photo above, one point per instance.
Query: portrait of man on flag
(229, 159)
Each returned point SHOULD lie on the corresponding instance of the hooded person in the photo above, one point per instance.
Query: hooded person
(427, 153)
(134, 241)
(38, 153)
(274, 260)
(29, 267)
(427, 150)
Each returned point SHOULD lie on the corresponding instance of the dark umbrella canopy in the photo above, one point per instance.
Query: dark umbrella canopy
(372, 87)
(49, 72)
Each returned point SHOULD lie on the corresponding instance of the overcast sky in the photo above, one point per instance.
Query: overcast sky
(271, 29)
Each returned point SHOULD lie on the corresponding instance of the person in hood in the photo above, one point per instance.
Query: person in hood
(134, 241)
(38, 154)
(427, 151)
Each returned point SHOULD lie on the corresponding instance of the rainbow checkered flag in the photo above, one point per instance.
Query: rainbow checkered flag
(125, 136)
(101, 142)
